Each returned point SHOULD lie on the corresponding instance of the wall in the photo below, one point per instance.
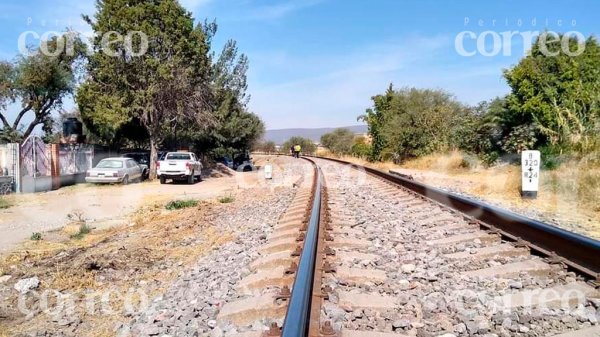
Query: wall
(54, 165)
(9, 165)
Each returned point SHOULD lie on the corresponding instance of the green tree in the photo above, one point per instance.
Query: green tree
(339, 141)
(234, 128)
(266, 147)
(376, 117)
(412, 122)
(160, 78)
(557, 93)
(39, 81)
(7, 79)
(308, 146)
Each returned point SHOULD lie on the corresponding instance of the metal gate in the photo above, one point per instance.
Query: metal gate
(35, 165)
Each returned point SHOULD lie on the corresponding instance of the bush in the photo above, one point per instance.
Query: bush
(418, 122)
(469, 161)
(179, 204)
(553, 157)
(522, 137)
(36, 236)
(226, 199)
(339, 141)
(308, 147)
(361, 150)
(489, 159)
(4, 203)
(84, 229)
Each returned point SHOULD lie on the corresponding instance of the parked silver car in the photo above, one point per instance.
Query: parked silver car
(115, 170)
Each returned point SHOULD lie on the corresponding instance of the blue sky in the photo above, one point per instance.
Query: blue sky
(316, 63)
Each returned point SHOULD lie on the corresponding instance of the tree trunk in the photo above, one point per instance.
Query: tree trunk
(31, 127)
(153, 159)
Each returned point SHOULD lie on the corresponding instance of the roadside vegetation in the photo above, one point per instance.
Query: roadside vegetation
(553, 107)
(84, 229)
(146, 254)
(179, 204)
(4, 203)
(308, 146)
(267, 147)
(226, 199)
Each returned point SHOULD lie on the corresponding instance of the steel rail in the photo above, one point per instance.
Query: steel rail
(579, 252)
(297, 317)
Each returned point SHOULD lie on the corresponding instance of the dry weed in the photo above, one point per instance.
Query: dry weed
(116, 259)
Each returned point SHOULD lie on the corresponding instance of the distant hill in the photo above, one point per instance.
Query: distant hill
(279, 136)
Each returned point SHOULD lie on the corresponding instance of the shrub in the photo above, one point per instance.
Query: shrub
(522, 137)
(226, 199)
(489, 159)
(179, 204)
(361, 150)
(339, 141)
(84, 229)
(36, 236)
(553, 157)
(4, 203)
(469, 161)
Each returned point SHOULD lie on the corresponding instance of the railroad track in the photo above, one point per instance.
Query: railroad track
(363, 253)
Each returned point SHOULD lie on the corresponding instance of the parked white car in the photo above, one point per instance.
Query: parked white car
(115, 170)
(179, 166)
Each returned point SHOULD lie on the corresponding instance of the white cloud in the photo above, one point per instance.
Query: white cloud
(344, 88)
(281, 9)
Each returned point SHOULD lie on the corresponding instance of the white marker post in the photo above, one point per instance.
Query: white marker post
(268, 171)
(530, 177)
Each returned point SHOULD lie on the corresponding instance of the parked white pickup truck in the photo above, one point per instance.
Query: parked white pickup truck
(179, 166)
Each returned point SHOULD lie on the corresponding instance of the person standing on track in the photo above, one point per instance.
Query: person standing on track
(297, 149)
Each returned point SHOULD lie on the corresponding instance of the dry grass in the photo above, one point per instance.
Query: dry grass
(453, 162)
(4, 203)
(154, 248)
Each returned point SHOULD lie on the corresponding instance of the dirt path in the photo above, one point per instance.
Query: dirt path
(104, 206)
(101, 206)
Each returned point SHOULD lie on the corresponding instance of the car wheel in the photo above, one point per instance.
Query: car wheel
(190, 178)
(125, 180)
(163, 180)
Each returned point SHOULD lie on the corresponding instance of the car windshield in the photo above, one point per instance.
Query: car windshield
(110, 164)
(140, 158)
(178, 156)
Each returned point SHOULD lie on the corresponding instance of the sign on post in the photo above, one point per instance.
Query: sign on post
(530, 176)
(268, 171)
